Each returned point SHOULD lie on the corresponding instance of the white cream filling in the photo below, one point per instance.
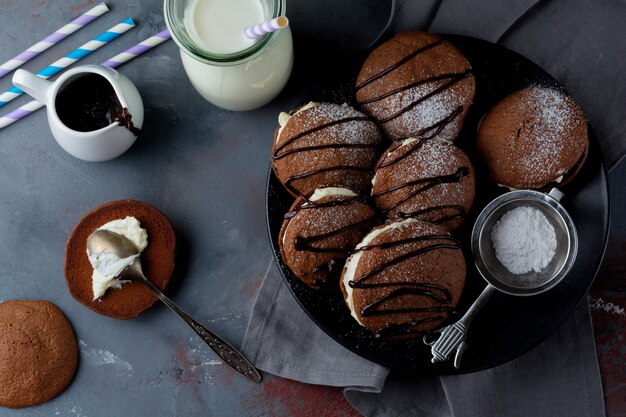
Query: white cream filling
(320, 193)
(353, 261)
(284, 117)
(107, 266)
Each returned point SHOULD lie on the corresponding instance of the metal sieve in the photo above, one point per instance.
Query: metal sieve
(498, 277)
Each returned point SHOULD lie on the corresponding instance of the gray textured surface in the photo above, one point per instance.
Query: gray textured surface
(204, 167)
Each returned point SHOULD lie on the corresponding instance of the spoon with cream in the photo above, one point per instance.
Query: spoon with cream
(115, 256)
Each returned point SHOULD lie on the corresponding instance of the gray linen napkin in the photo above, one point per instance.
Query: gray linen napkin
(581, 45)
(560, 377)
(282, 340)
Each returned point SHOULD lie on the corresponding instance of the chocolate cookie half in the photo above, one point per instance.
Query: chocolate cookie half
(427, 179)
(416, 85)
(38, 352)
(534, 138)
(404, 278)
(157, 259)
(318, 234)
(324, 145)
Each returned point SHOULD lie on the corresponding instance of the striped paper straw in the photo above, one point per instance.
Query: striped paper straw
(114, 62)
(82, 20)
(73, 56)
(138, 49)
(264, 28)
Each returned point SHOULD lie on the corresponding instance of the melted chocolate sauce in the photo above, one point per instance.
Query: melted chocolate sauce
(89, 103)
(435, 292)
(277, 154)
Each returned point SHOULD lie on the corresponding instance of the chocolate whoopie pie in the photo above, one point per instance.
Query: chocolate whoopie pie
(38, 352)
(416, 85)
(404, 278)
(157, 260)
(324, 145)
(318, 234)
(534, 138)
(427, 179)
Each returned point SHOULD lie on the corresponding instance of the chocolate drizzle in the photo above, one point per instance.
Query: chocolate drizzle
(399, 63)
(280, 152)
(307, 243)
(406, 328)
(435, 292)
(289, 180)
(449, 80)
(278, 155)
(459, 213)
(454, 79)
(426, 184)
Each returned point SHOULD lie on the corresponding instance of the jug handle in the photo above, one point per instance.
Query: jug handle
(32, 84)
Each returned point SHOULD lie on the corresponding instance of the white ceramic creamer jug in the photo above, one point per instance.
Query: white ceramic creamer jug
(95, 113)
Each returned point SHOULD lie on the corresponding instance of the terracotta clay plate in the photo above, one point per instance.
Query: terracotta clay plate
(507, 326)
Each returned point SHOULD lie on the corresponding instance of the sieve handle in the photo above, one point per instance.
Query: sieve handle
(556, 194)
(477, 306)
(452, 337)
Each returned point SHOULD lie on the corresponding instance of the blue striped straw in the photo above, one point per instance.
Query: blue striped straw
(73, 56)
(119, 59)
(60, 34)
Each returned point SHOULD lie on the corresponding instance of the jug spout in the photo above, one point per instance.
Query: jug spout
(32, 85)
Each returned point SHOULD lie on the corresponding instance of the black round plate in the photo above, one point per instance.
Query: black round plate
(507, 326)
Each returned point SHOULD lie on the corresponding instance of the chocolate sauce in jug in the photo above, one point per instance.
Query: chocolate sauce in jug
(89, 103)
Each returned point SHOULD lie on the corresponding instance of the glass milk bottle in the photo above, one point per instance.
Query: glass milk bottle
(227, 68)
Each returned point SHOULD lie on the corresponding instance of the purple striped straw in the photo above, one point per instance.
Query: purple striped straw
(256, 31)
(119, 59)
(82, 20)
(138, 49)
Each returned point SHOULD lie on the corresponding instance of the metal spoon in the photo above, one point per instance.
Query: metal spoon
(105, 241)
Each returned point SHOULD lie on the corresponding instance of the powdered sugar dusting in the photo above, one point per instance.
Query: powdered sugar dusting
(600, 304)
(552, 118)
(101, 357)
(355, 131)
(425, 159)
(524, 240)
(417, 120)
(326, 146)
